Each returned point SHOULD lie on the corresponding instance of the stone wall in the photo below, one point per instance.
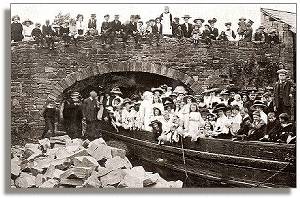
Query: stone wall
(40, 74)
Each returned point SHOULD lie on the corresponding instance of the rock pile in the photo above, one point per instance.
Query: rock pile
(62, 162)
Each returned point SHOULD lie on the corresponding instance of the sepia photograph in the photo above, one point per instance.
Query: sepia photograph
(166, 95)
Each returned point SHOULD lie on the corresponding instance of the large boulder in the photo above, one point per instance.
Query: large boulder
(25, 180)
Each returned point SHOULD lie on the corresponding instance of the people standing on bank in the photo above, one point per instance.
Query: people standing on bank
(166, 21)
(90, 111)
(16, 29)
(187, 27)
(229, 32)
(72, 115)
(283, 93)
(27, 29)
(214, 31)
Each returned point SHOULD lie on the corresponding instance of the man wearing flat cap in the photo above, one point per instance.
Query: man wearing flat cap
(283, 93)
(92, 25)
(131, 29)
(105, 30)
(187, 27)
(214, 32)
(229, 32)
(116, 28)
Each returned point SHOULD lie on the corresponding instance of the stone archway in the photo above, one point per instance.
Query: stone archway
(124, 66)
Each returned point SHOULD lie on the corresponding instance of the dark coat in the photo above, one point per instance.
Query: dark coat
(131, 27)
(64, 31)
(47, 30)
(92, 23)
(36, 32)
(272, 130)
(155, 29)
(284, 132)
(51, 114)
(72, 112)
(269, 108)
(206, 34)
(16, 32)
(90, 109)
(187, 33)
(116, 26)
(174, 27)
(105, 27)
(274, 39)
(248, 34)
(244, 127)
(286, 91)
(214, 33)
(256, 131)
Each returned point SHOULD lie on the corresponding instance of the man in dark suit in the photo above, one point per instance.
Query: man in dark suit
(269, 102)
(214, 32)
(92, 25)
(90, 111)
(48, 34)
(105, 30)
(116, 28)
(283, 93)
(175, 25)
(131, 29)
(187, 27)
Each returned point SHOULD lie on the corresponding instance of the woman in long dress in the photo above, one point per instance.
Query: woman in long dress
(195, 121)
(166, 20)
(146, 110)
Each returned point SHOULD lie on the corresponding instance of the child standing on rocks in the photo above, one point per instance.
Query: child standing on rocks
(51, 116)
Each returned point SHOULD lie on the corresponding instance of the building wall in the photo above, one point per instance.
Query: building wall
(36, 72)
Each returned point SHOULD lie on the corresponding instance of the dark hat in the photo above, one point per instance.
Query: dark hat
(282, 71)
(151, 20)
(157, 89)
(132, 16)
(157, 18)
(27, 20)
(126, 101)
(261, 27)
(164, 86)
(176, 18)
(117, 15)
(258, 103)
(235, 107)
(166, 100)
(140, 22)
(189, 97)
(198, 19)
(93, 15)
(186, 16)
(250, 21)
(157, 109)
(242, 18)
(213, 20)
(206, 25)
(220, 106)
(116, 91)
(15, 17)
(107, 15)
(228, 23)
(157, 122)
(137, 16)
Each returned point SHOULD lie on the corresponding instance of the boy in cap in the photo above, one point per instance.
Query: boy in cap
(214, 32)
(116, 28)
(92, 25)
(242, 28)
(105, 30)
(249, 31)
(229, 32)
(37, 34)
(273, 37)
(283, 93)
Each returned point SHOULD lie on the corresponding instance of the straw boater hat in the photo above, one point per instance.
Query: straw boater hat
(179, 90)
(220, 106)
(224, 92)
(186, 16)
(15, 17)
(213, 20)
(199, 19)
(282, 71)
(27, 20)
(258, 103)
(164, 86)
(242, 18)
(116, 90)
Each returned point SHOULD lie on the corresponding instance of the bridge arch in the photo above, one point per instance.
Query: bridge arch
(124, 66)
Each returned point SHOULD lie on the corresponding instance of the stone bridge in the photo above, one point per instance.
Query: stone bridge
(38, 75)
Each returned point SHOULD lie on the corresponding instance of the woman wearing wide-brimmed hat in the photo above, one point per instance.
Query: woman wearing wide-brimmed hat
(27, 29)
(259, 106)
(16, 29)
(222, 124)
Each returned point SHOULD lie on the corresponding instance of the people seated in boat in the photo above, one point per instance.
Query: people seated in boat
(208, 129)
(109, 123)
(259, 105)
(244, 126)
(166, 122)
(195, 121)
(188, 100)
(127, 122)
(157, 91)
(146, 110)
(257, 127)
(156, 128)
(211, 119)
(237, 101)
(236, 119)
(271, 130)
(221, 129)
(287, 131)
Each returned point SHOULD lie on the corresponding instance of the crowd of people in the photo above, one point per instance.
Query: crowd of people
(152, 30)
(170, 113)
